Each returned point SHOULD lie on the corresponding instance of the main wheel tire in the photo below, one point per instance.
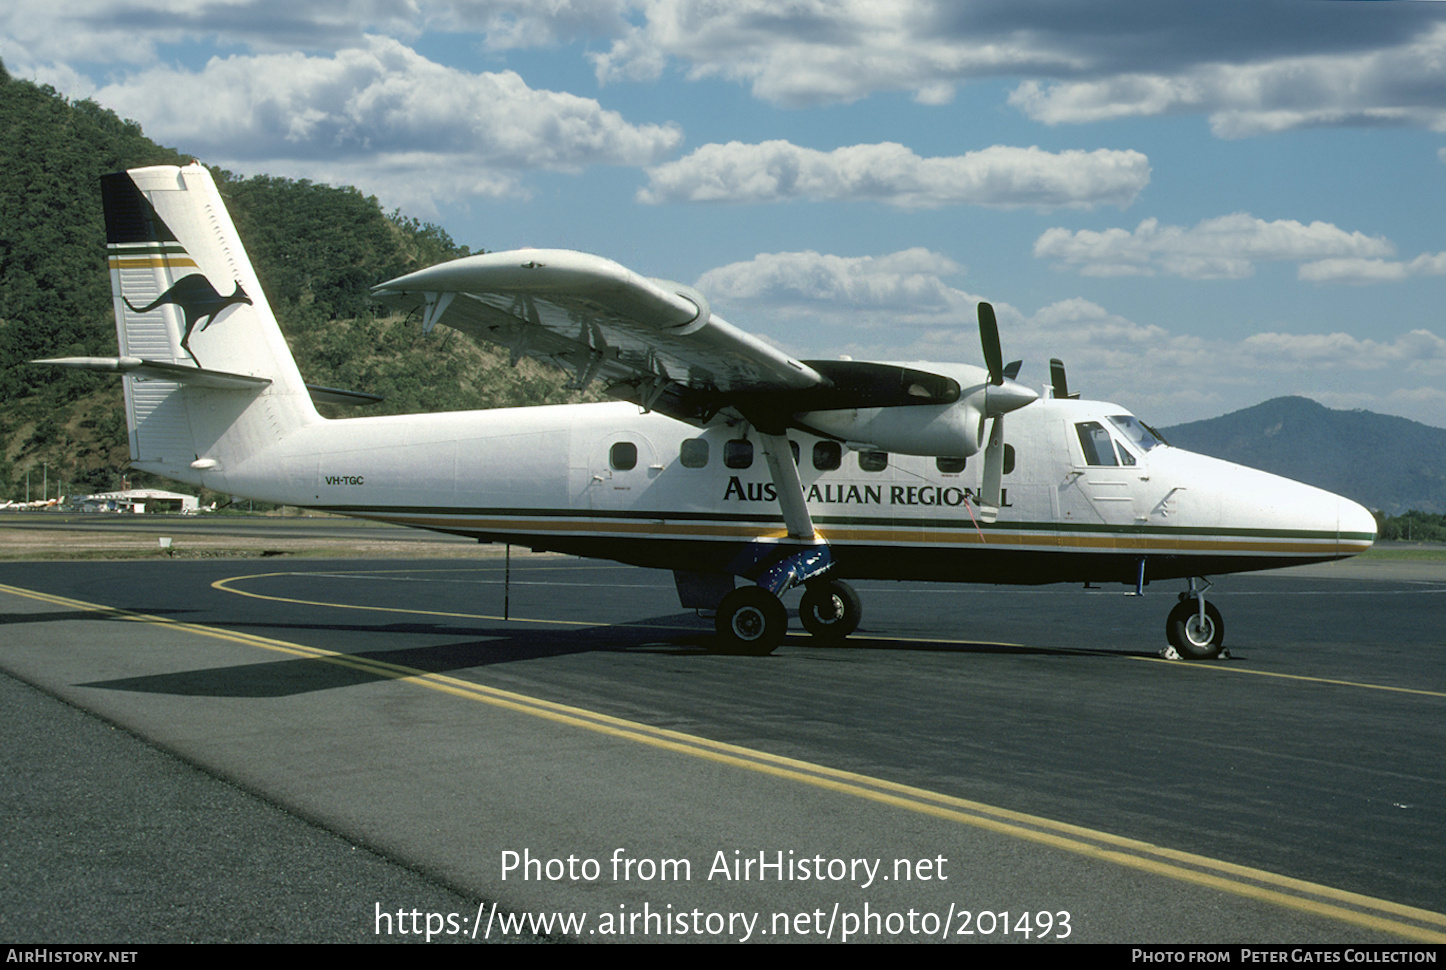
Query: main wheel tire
(830, 610)
(750, 621)
(1187, 634)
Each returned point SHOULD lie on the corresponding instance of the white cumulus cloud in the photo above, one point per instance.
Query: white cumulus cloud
(1253, 66)
(381, 116)
(1418, 350)
(1399, 85)
(997, 176)
(131, 31)
(908, 281)
(1225, 247)
(1364, 271)
(903, 306)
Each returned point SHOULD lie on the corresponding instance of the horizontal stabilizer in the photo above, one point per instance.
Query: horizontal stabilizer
(335, 395)
(157, 370)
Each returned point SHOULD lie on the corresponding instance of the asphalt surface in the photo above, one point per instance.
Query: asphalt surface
(342, 724)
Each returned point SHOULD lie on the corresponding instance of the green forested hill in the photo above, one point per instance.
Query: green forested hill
(317, 250)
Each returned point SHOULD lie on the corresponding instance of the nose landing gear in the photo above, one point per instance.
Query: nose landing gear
(1194, 627)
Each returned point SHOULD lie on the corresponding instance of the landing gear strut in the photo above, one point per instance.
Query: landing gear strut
(1194, 627)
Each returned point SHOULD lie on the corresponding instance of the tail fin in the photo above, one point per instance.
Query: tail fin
(209, 379)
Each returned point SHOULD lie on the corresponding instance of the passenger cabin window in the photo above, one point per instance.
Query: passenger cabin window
(738, 453)
(949, 466)
(1008, 459)
(694, 453)
(623, 456)
(873, 461)
(827, 455)
(1095, 442)
(793, 447)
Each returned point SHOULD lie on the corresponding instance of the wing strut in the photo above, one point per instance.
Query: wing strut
(437, 304)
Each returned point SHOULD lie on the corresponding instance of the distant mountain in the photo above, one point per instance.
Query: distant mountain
(1383, 462)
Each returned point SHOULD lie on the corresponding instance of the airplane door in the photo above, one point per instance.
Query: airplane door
(1101, 483)
(623, 467)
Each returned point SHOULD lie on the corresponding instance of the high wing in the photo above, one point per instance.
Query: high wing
(653, 342)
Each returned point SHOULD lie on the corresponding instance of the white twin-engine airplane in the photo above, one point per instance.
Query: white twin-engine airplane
(725, 457)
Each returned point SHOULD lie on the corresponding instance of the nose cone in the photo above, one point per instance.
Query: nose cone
(1272, 515)
(1355, 527)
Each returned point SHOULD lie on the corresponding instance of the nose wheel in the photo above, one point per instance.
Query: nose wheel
(1195, 629)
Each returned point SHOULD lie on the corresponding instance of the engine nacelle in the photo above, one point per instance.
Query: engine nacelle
(952, 428)
(949, 430)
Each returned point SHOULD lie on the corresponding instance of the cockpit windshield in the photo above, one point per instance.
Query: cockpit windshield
(1135, 431)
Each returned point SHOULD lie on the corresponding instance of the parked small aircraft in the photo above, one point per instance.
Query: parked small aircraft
(724, 457)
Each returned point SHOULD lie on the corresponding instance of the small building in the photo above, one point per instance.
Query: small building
(137, 500)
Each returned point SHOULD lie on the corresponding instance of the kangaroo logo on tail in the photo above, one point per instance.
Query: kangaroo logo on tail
(198, 300)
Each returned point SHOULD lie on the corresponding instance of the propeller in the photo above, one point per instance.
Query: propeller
(989, 337)
(1057, 379)
(1001, 396)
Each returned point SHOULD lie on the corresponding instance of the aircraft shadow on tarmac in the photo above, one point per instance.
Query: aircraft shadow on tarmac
(666, 635)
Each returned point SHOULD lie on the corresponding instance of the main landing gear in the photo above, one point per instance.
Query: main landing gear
(751, 621)
(1194, 627)
(830, 610)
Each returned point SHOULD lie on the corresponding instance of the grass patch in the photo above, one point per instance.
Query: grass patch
(1406, 551)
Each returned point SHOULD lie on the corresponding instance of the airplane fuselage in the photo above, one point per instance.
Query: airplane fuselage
(607, 481)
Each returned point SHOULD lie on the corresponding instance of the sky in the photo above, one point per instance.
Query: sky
(1198, 206)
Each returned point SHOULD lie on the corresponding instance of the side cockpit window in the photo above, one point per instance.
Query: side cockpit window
(1095, 442)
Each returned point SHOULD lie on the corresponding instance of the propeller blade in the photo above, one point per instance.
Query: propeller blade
(989, 337)
(1056, 377)
(1011, 369)
(991, 488)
